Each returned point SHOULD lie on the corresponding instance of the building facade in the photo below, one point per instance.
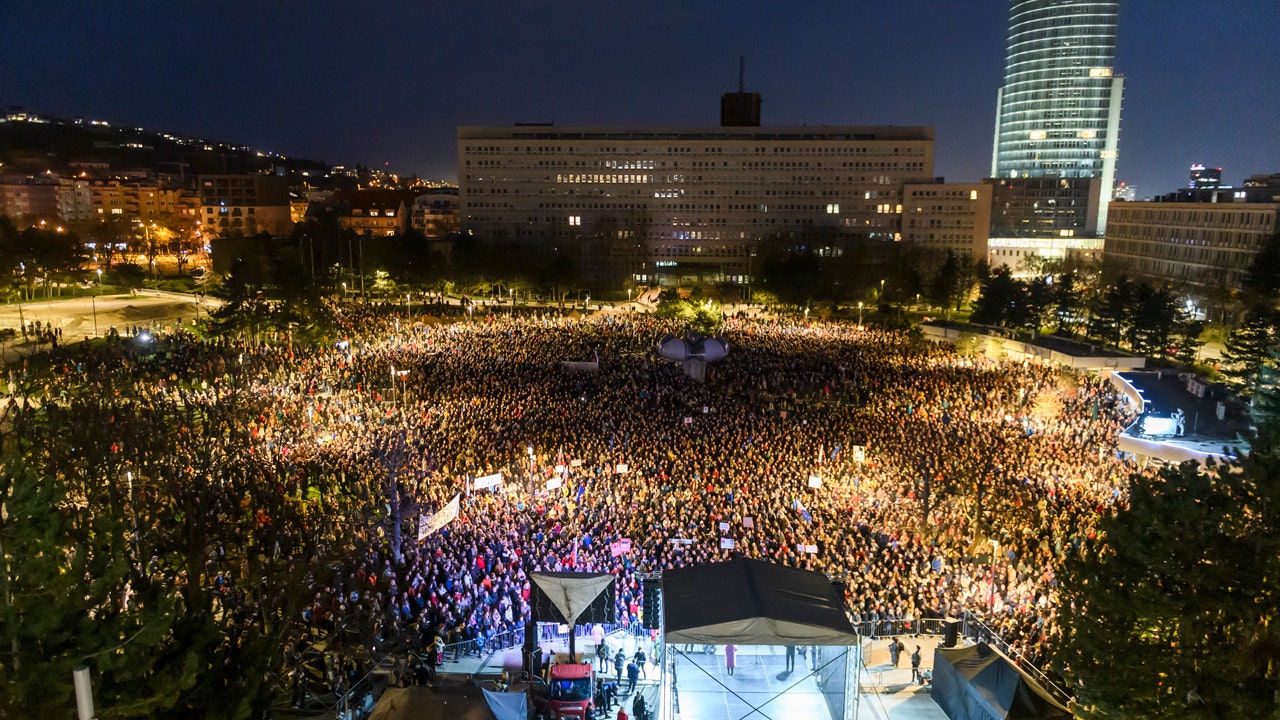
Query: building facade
(1199, 241)
(680, 205)
(1058, 112)
(246, 204)
(29, 201)
(947, 216)
(435, 212)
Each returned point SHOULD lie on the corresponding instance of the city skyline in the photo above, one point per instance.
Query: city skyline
(389, 89)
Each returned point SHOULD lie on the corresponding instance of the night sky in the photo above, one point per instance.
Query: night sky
(388, 82)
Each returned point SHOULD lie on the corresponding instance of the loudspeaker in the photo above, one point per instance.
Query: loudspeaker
(950, 632)
(652, 605)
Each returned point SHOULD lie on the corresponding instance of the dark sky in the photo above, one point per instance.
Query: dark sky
(388, 82)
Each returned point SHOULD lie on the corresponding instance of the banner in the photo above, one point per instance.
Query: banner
(681, 541)
(724, 527)
(748, 522)
(428, 524)
(811, 549)
(688, 421)
(727, 543)
(622, 469)
(560, 469)
(859, 453)
(555, 483)
(622, 547)
(575, 463)
(815, 481)
(488, 482)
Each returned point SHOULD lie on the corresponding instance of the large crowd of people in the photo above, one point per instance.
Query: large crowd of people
(929, 483)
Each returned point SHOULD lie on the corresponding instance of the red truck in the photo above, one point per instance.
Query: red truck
(568, 692)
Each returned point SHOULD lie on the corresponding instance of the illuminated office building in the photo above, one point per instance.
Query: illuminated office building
(686, 205)
(1058, 113)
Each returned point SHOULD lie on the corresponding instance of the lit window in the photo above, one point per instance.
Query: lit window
(1088, 134)
(1037, 135)
(373, 213)
(973, 194)
(1099, 72)
(833, 209)
(575, 220)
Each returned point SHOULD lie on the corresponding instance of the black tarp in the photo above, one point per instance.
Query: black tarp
(979, 683)
(749, 602)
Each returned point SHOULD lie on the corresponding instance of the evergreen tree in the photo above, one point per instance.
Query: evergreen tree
(997, 299)
(1111, 312)
(946, 282)
(1155, 315)
(1068, 304)
(1247, 348)
(1172, 611)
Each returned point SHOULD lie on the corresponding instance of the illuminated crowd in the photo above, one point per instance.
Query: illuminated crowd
(932, 484)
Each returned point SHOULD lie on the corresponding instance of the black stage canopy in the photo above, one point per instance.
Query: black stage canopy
(749, 602)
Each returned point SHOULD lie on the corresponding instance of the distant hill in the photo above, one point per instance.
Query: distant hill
(32, 144)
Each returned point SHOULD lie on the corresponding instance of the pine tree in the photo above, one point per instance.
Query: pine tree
(1247, 348)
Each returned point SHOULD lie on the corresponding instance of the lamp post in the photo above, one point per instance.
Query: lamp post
(393, 385)
(344, 290)
(531, 472)
(859, 313)
(995, 548)
(511, 294)
(881, 298)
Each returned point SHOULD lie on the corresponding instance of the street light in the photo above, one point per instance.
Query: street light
(859, 313)
(408, 302)
(532, 461)
(995, 548)
(344, 291)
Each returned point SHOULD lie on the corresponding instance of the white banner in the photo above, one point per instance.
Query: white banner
(748, 522)
(560, 469)
(428, 524)
(681, 541)
(727, 543)
(815, 481)
(724, 527)
(555, 483)
(575, 463)
(811, 549)
(859, 453)
(622, 468)
(488, 482)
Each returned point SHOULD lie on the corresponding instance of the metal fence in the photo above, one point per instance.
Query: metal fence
(974, 628)
(892, 628)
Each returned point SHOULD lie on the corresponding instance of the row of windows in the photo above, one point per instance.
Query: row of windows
(740, 149)
(1211, 218)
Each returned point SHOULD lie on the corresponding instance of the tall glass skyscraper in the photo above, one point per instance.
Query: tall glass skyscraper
(1058, 114)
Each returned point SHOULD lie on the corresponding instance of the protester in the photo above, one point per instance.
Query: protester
(944, 484)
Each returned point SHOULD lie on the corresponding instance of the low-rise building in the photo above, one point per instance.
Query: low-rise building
(246, 204)
(947, 216)
(1200, 240)
(435, 212)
